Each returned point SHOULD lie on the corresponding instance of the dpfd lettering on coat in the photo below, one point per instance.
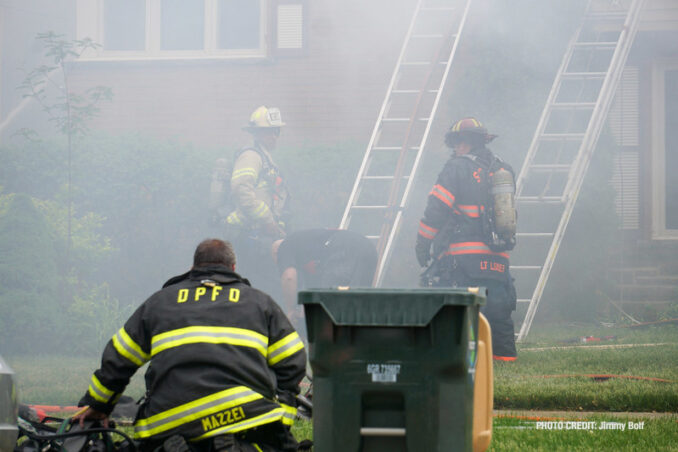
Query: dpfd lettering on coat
(226, 417)
(199, 293)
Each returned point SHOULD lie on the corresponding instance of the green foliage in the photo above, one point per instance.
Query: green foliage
(28, 273)
(40, 297)
(96, 317)
(34, 167)
(28, 254)
(152, 195)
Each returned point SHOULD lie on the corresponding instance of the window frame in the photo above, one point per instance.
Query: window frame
(658, 150)
(92, 11)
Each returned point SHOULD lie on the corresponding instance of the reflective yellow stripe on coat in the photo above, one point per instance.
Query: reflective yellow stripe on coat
(197, 409)
(211, 335)
(98, 391)
(126, 347)
(284, 348)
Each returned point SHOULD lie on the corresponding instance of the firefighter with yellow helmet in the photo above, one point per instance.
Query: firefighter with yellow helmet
(258, 197)
(257, 189)
(469, 227)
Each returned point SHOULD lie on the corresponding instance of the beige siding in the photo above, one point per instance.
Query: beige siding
(659, 15)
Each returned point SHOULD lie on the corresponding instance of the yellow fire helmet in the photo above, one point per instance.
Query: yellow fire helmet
(263, 118)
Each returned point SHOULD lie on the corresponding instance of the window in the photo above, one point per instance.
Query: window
(166, 29)
(124, 25)
(238, 24)
(182, 25)
(665, 150)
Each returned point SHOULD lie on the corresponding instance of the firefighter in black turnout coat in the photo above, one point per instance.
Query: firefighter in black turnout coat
(225, 362)
(458, 228)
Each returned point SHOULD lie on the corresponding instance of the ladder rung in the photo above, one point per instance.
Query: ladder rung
(534, 234)
(524, 300)
(584, 74)
(369, 207)
(573, 105)
(525, 267)
(420, 63)
(393, 148)
(382, 177)
(599, 44)
(401, 119)
(541, 199)
(428, 36)
(550, 167)
(373, 237)
(606, 15)
(438, 8)
(561, 136)
(412, 91)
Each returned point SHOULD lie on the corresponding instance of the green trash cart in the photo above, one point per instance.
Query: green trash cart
(393, 369)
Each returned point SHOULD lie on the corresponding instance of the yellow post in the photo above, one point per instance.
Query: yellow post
(483, 390)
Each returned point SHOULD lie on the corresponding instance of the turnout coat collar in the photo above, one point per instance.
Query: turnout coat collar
(217, 273)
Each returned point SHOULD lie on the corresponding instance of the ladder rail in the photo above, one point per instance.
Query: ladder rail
(581, 164)
(395, 228)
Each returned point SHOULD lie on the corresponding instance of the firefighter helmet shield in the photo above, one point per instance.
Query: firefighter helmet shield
(264, 118)
(470, 129)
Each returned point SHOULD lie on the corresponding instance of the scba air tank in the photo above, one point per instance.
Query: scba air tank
(220, 174)
(503, 191)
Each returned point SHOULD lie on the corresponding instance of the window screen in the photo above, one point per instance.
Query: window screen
(124, 25)
(182, 25)
(238, 24)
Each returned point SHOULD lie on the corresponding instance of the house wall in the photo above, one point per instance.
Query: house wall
(645, 266)
(330, 94)
(659, 15)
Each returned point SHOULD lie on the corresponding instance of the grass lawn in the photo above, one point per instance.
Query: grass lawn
(657, 434)
(61, 380)
(529, 383)
(518, 435)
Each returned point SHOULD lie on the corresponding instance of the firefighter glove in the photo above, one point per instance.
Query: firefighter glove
(423, 250)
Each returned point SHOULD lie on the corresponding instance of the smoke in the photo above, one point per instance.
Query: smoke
(141, 176)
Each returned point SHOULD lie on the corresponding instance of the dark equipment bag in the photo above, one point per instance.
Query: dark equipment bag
(53, 434)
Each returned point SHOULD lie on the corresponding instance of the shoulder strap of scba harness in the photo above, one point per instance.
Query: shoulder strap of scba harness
(496, 163)
(487, 182)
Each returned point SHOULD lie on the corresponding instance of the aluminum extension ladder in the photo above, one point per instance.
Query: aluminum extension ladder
(553, 171)
(383, 183)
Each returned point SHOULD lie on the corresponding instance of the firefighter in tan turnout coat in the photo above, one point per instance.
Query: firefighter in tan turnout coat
(259, 198)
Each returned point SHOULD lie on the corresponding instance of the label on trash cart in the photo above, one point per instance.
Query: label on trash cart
(384, 373)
